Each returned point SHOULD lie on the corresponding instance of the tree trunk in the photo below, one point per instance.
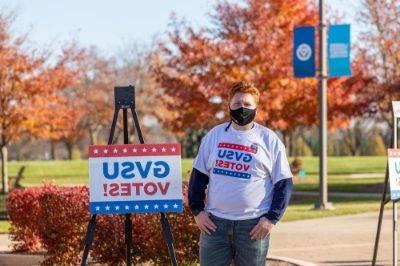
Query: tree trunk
(52, 150)
(18, 152)
(287, 141)
(4, 169)
(93, 136)
(69, 147)
(291, 143)
(284, 138)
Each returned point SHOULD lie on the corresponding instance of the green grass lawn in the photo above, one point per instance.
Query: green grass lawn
(76, 172)
(4, 227)
(347, 164)
(61, 172)
(303, 208)
(342, 184)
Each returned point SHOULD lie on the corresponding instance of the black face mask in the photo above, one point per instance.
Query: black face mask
(242, 116)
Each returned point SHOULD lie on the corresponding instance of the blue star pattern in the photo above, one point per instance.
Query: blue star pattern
(140, 206)
(220, 171)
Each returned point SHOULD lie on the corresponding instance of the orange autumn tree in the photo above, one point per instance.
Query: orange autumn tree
(250, 40)
(57, 114)
(380, 50)
(28, 89)
(88, 102)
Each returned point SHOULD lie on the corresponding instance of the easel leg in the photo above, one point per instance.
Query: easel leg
(113, 125)
(168, 238)
(128, 239)
(137, 126)
(378, 230)
(88, 239)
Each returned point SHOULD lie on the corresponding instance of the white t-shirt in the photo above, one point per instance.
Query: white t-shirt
(242, 167)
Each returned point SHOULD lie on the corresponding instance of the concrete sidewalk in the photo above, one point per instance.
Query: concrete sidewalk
(5, 243)
(340, 240)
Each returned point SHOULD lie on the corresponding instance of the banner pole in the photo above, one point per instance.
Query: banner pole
(395, 202)
(323, 110)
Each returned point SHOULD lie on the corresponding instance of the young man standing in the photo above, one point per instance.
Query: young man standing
(243, 166)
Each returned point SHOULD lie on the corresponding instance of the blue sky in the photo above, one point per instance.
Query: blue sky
(111, 25)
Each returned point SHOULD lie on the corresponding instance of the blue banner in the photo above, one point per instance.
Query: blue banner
(304, 52)
(339, 50)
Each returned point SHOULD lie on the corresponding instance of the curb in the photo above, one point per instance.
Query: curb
(13, 259)
(292, 261)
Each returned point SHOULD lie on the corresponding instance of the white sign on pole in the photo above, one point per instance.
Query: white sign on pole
(394, 173)
(396, 109)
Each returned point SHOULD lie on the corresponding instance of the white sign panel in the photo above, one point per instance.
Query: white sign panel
(135, 178)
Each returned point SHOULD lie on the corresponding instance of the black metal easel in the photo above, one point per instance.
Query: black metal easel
(124, 99)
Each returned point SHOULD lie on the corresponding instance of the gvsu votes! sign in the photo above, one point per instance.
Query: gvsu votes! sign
(135, 178)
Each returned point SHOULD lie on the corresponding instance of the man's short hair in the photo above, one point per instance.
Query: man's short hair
(244, 87)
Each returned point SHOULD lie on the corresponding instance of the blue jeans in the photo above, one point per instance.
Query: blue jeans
(231, 241)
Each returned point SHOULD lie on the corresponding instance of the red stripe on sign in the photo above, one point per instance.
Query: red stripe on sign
(122, 150)
(393, 153)
(234, 146)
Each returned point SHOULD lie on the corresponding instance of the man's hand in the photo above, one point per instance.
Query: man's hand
(262, 229)
(204, 222)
